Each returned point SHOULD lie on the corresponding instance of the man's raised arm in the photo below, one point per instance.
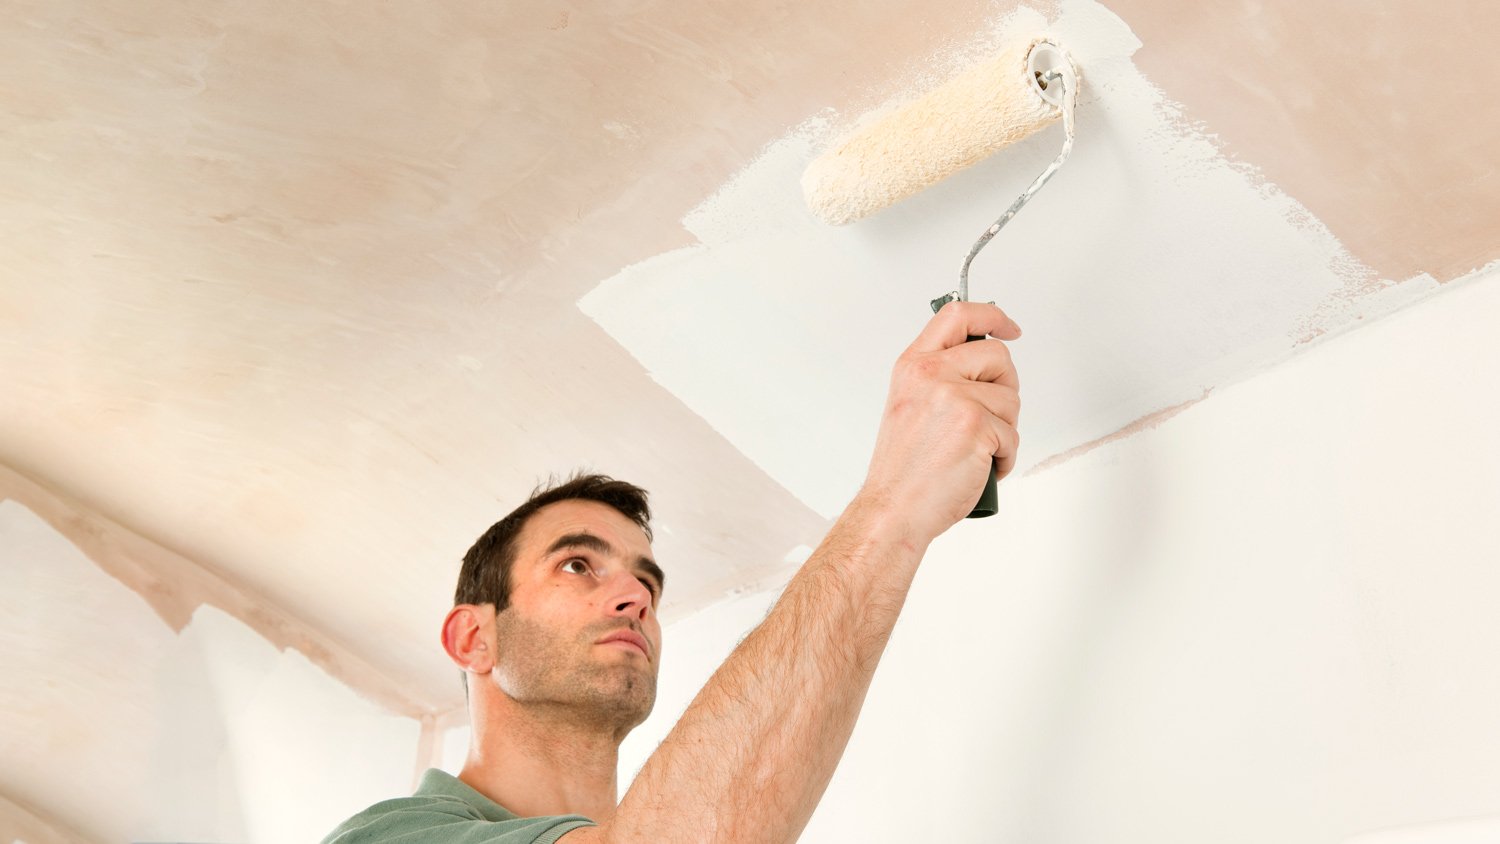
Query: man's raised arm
(752, 755)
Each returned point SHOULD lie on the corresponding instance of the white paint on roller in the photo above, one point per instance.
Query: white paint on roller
(793, 324)
(979, 112)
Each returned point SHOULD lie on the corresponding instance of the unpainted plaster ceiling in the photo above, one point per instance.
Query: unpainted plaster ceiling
(1378, 117)
(292, 291)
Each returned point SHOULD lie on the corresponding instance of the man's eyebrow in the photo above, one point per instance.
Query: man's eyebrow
(595, 543)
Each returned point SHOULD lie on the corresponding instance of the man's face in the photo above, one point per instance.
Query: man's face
(581, 632)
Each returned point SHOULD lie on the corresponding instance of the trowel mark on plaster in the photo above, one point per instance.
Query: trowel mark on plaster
(175, 588)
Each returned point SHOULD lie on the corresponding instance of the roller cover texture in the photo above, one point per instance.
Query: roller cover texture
(964, 121)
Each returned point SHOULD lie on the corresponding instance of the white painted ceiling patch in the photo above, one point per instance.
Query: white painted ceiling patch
(780, 331)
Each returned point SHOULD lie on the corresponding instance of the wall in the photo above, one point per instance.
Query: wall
(1269, 618)
(143, 733)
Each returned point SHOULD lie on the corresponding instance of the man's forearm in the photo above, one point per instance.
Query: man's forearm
(751, 756)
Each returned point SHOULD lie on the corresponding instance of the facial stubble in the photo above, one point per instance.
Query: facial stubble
(551, 670)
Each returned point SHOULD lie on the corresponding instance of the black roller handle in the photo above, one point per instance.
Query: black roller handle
(989, 498)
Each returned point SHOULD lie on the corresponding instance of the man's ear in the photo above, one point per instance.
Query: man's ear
(469, 637)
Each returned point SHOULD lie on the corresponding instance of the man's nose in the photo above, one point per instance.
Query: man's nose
(628, 596)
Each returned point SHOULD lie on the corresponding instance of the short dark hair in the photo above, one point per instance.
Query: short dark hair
(485, 576)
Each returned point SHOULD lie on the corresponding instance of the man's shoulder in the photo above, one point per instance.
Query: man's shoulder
(409, 820)
(390, 820)
(439, 817)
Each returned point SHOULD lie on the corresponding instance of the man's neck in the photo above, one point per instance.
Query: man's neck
(537, 764)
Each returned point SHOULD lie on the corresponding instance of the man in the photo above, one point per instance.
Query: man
(560, 651)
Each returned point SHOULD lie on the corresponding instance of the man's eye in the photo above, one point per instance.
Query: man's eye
(577, 565)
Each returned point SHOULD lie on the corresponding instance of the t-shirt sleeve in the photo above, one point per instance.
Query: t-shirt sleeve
(438, 822)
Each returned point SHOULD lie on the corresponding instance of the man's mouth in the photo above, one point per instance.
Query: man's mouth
(626, 638)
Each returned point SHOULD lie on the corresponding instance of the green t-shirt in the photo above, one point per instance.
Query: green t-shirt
(446, 811)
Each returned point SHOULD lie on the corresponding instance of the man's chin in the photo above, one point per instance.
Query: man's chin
(621, 698)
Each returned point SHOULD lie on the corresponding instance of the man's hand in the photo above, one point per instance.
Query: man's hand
(952, 407)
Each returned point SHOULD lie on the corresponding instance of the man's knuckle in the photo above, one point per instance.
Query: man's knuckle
(974, 424)
(924, 366)
(947, 392)
(1001, 351)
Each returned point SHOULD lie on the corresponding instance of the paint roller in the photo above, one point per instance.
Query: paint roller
(1026, 87)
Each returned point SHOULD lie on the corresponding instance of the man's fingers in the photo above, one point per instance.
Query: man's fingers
(1000, 401)
(1004, 465)
(958, 321)
(1002, 407)
(952, 408)
(985, 360)
(1010, 446)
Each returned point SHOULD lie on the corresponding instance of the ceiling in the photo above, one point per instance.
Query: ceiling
(303, 296)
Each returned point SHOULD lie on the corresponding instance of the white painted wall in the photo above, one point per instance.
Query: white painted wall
(1275, 617)
(144, 734)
